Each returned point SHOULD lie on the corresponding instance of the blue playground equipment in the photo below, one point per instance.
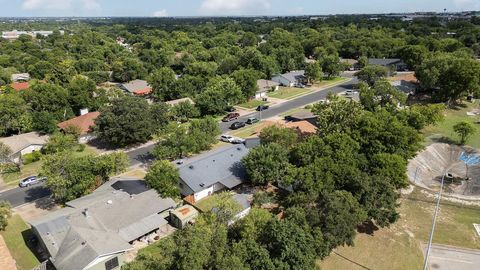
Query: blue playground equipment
(470, 159)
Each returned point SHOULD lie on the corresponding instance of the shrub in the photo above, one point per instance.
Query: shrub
(32, 157)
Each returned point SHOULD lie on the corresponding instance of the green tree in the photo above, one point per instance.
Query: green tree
(5, 152)
(285, 137)
(313, 72)
(5, 214)
(163, 84)
(59, 142)
(331, 65)
(381, 95)
(413, 55)
(464, 130)
(82, 93)
(51, 98)
(371, 74)
(127, 69)
(164, 178)
(127, 121)
(246, 79)
(184, 111)
(14, 116)
(220, 95)
(44, 122)
(267, 164)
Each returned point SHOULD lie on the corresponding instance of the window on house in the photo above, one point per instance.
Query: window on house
(112, 264)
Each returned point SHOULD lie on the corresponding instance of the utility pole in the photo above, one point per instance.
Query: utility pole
(425, 265)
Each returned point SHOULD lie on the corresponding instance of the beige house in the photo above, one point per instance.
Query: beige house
(24, 144)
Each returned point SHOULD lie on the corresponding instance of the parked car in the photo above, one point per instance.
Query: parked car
(30, 181)
(262, 107)
(237, 125)
(231, 139)
(231, 117)
(252, 120)
(350, 92)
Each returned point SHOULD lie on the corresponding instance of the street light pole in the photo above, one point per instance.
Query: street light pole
(425, 265)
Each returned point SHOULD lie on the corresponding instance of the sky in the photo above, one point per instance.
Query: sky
(167, 8)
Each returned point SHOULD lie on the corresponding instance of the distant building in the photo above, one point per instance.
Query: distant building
(20, 77)
(290, 79)
(394, 63)
(137, 87)
(12, 35)
(351, 64)
(95, 231)
(183, 216)
(84, 123)
(24, 144)
(216, 170)
(20, 86)
(265, 86)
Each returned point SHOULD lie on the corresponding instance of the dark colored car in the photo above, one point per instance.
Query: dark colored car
(231, 117)
(237, 125)
(252, 120)
(262, 107)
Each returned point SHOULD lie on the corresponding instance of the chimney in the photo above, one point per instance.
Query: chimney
(83, 111)
(85, 212)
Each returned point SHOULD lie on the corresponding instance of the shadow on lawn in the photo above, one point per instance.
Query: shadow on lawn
(32, 244)
(354, 262)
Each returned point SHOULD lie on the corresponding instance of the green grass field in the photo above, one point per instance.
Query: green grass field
(398, 247)
(252, 104)
(328, 82)
(15, 237)
(289, 92)
(452, 117)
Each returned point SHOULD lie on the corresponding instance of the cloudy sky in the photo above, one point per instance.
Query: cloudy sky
(162, 8)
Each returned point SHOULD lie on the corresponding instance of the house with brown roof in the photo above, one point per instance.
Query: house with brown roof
(19, 86)
(84, 123)
(137, 87)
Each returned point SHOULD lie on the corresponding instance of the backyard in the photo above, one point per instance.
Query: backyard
(444, 130)
(16, 236)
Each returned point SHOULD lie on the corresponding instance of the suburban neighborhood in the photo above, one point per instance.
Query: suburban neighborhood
(231, 140)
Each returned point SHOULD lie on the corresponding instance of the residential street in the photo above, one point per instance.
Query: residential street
(19, 196)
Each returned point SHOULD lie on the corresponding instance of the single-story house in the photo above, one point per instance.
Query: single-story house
(84, 123)
(291, 79)
(351, 64)
(405, 82)
(19, 86)
(95, 231)
(137, 87)
(180, 100)
(302, 115)
(183, 216)
(243, 200)
(24, 144)
(20, 77)
(216, 170)
(394, 63)
(265, 86)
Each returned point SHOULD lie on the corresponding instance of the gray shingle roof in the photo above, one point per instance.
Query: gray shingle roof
(118, 213)
(266, 85)
(384, 62)
(222, 165)
(19, 142)
(135, 85)
(294, 76)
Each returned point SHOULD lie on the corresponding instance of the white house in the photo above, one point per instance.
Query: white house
(205, 174)
(265, 86)
(291, 79)
(24, 144)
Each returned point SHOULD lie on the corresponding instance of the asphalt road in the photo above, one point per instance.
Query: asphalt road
(19, 196)
(450, 258)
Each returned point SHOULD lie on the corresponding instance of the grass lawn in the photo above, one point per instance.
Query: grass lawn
(289, 92)
(33, 168)
(452, 117)
(328, 82)
(252, 104)
(206, 204)
(15, 235)
(398, 247)
(247, 131)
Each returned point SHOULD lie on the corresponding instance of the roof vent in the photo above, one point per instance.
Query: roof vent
(202, 184)
(191, 167)
(85, 212)
(214, 160)
(239, 149)
(109, 202)
(131, 196)
(84, 243)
